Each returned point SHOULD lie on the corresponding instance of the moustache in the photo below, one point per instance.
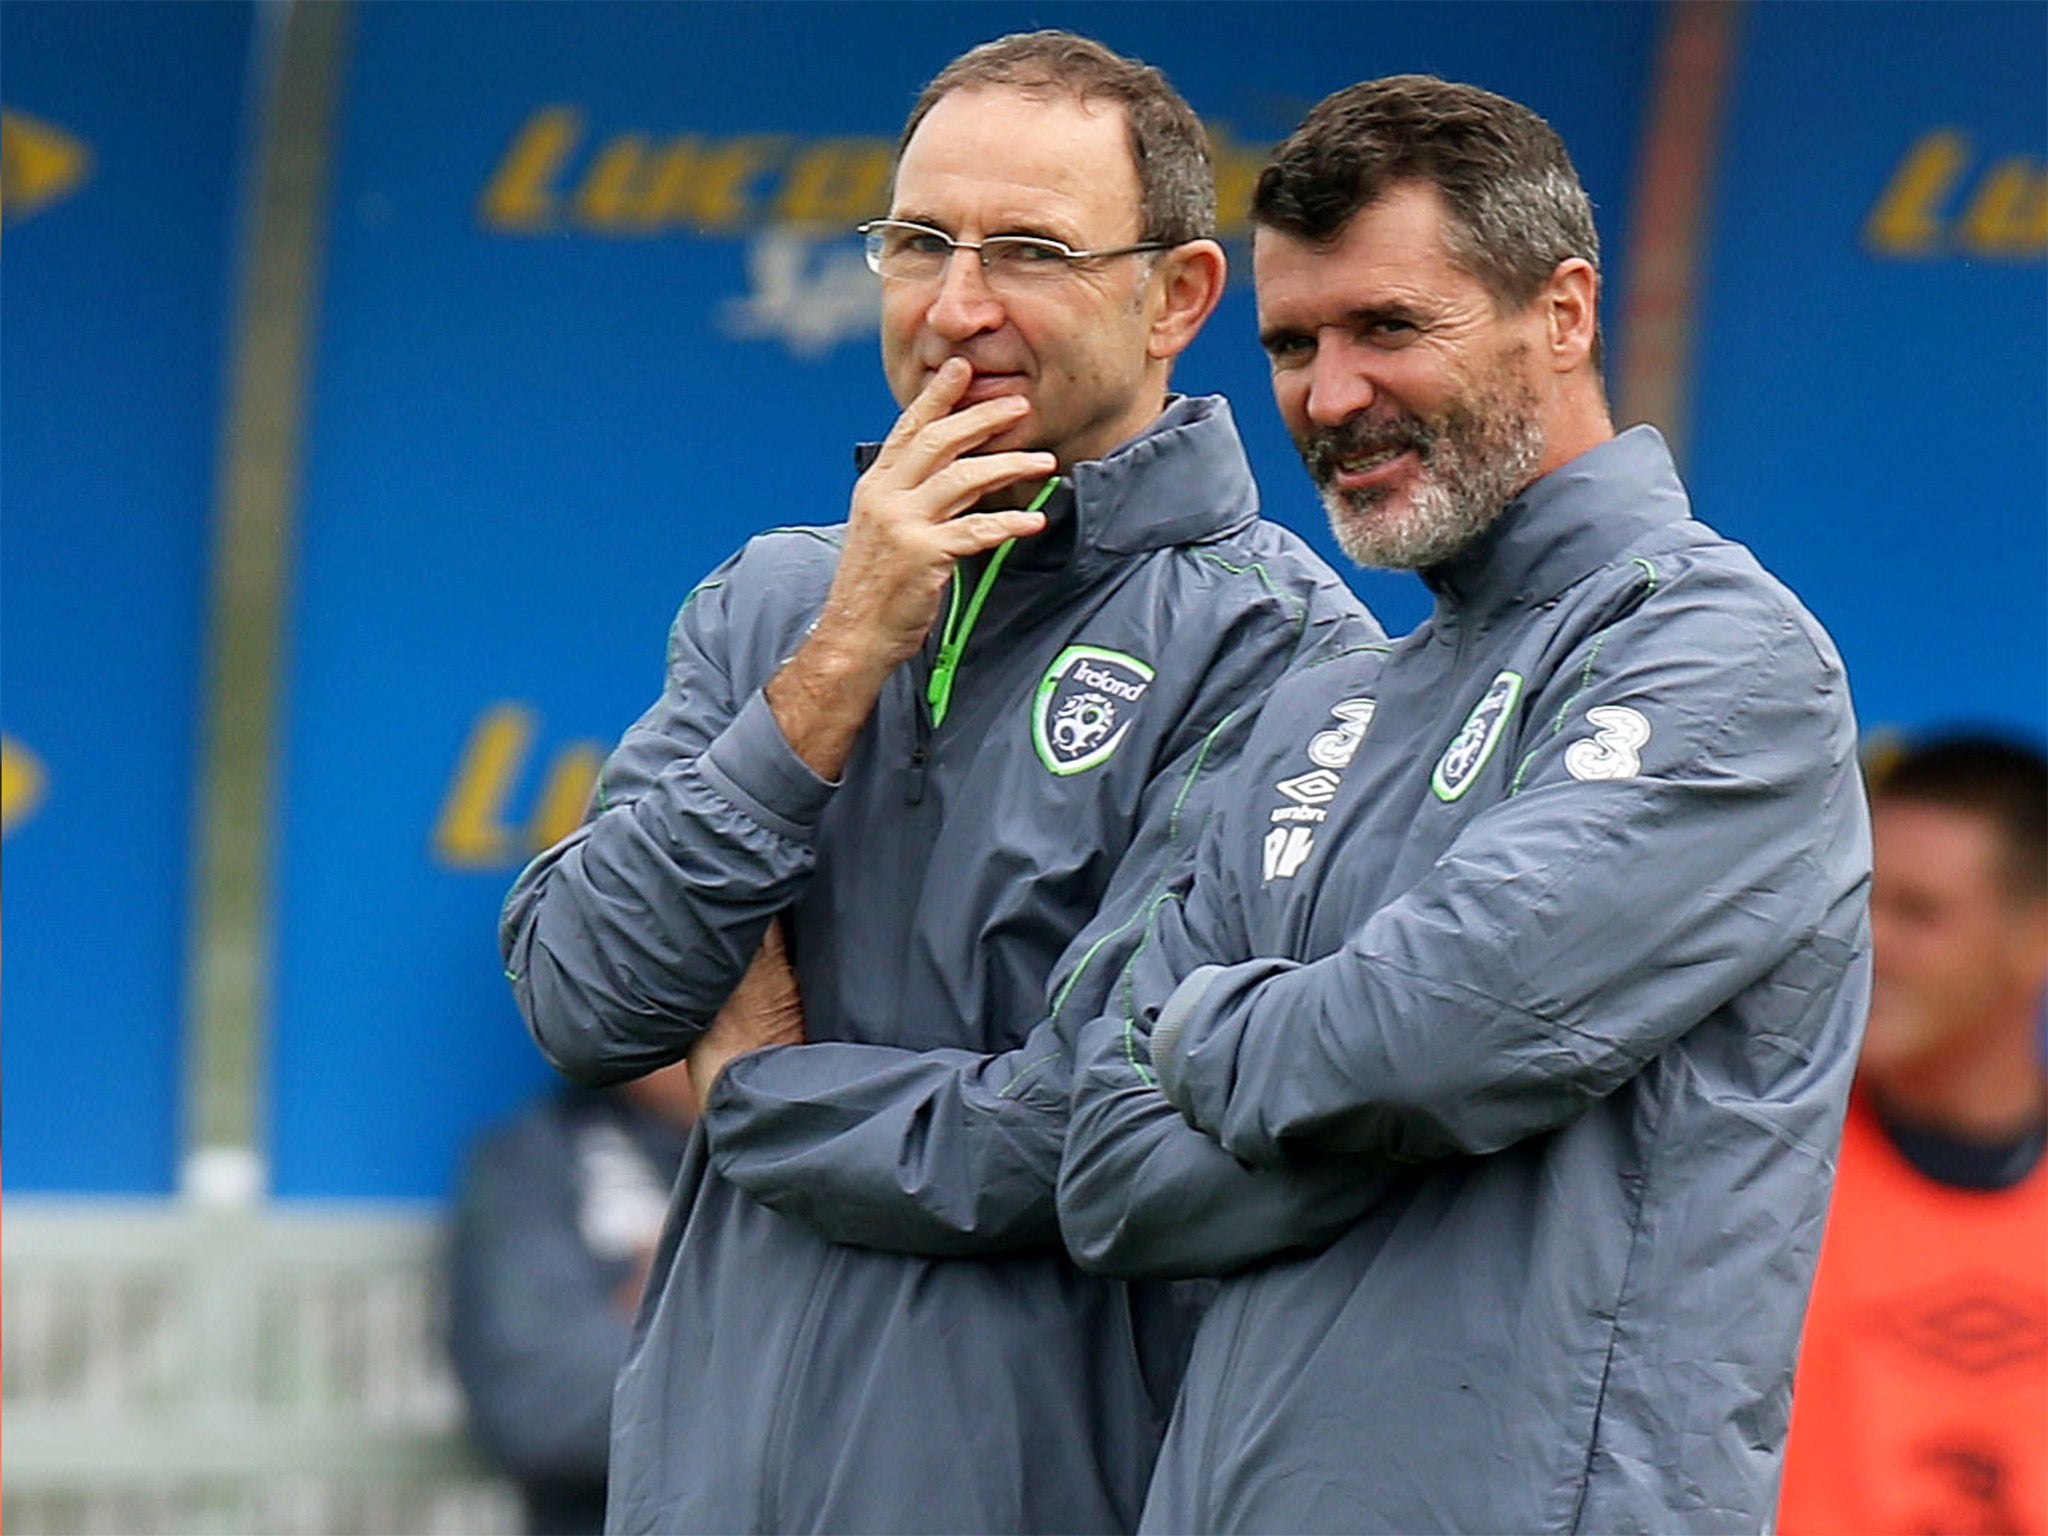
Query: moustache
(1357, 436)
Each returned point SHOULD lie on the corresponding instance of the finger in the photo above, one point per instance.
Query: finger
(939, 443)
(962, 483)
(921, 442)
(941, 393)
(971, 533)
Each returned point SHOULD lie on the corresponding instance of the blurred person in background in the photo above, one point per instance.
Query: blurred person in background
(943, 749)
(555, 1226)
(1921, 1403)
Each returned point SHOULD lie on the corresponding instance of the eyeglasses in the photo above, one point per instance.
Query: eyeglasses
(904, 252)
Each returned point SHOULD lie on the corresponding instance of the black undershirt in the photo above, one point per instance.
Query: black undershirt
(1979, 1165)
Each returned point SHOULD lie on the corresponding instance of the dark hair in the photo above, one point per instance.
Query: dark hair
(2002, 780)
(1516, 206)
(1169, 148)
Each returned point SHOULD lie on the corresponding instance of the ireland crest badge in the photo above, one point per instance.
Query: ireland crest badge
(1084, 706)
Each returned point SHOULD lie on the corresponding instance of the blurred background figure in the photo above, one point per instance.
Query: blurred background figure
(1921, 1404)
(556, 1223)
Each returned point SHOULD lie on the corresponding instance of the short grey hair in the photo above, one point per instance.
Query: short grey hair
(1515, 201)
(1169, 147)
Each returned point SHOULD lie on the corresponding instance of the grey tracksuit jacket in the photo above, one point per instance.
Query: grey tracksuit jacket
(861, 1318)
(1497, 1048)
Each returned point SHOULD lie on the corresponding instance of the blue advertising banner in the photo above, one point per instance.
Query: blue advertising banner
(1872, 396)
(593, 314)
(120, 133)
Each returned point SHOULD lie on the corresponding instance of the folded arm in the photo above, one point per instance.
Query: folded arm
(941, 1152)
(1693, 817)
(949, 1152)
(623, 940)
(1142, 1192)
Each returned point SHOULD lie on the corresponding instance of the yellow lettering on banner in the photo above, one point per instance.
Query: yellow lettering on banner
(39, 163)
(475, 829)
(610, 197)
(836, 182)
(1237, 173)
(521, 196)
(1929, 208)
(672, 180)
(21, 783)
(1908, 218)
(566, 798)
(554, 172)
(471, 833)
(708, 186)
(2009, 214)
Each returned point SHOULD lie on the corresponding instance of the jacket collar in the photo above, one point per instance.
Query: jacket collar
(1573, 520)
(1182, 480)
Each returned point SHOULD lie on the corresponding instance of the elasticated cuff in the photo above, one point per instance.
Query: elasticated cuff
(753, 765)
(1173, 1018)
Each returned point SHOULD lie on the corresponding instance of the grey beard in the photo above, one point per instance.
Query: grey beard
(1474, 463)
(1432, 529)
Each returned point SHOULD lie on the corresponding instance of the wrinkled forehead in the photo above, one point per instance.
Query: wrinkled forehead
(1019, 154)
(1397, 247)
(983, 97)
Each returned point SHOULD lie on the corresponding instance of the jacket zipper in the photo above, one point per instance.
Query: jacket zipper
(938, 688)
(945, 664)
(920, 739)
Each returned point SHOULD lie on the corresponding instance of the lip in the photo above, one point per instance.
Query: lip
(988, 386)
(1379, 474)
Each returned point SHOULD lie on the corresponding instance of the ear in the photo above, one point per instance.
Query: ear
(1186, 285)
(1570, 301)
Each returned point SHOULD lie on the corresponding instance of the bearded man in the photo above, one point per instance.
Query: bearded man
(1495, 1046)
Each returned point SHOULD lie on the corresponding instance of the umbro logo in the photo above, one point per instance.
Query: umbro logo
(1292, 836)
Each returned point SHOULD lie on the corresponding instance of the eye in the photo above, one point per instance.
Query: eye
(1016, 251)
(1289, 350)
(921, 242)
(1390, 331)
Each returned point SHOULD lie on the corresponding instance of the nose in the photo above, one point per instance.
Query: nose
(964, 304)
(1339, 383)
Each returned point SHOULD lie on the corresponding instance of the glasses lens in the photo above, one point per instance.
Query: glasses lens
(1023, 258)
(915, 253)
(906, 252)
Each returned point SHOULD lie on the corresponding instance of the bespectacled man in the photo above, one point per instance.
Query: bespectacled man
(900, 805)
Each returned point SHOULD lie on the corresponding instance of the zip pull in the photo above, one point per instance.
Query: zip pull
(938, 690)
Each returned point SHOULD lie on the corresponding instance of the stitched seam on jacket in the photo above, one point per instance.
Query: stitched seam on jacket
(1635, 1238)
(1172, 837)
(1024, 1073)
(1298, 607)
(1557, 721)
(1130, 1014)
(1585, 682)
